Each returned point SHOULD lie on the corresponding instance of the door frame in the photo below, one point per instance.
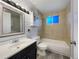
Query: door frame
(74, 29)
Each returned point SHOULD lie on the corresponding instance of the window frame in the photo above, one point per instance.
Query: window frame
(50, 20)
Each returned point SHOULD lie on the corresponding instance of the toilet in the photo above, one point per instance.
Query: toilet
(41, 46)
(33, 34)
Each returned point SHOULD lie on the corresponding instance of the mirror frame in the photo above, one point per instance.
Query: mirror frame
(7, 6)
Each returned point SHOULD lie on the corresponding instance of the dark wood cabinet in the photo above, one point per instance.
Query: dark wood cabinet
(29, 52)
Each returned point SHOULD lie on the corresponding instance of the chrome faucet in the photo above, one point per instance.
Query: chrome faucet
(15, 40)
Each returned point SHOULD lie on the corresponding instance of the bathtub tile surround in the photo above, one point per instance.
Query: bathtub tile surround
(56, 31)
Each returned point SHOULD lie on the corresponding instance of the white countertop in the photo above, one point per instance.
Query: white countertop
(10, 49)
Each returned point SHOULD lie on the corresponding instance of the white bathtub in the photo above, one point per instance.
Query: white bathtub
(58, 47)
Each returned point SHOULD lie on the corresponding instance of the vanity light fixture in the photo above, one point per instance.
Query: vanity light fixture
(27, 12)
(17, 6)
(7, 1)
(12, 3)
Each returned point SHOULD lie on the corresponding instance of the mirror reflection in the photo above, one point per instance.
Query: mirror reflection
(12, 21)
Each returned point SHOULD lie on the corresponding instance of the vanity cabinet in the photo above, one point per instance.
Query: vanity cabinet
(29, 52)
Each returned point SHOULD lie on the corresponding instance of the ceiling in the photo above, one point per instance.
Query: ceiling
(50, 5)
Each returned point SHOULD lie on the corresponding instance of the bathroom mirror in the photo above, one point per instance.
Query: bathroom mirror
(12, 22)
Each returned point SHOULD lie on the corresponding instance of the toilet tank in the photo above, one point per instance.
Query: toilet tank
(37, 38)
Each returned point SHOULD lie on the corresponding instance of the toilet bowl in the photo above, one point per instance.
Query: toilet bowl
(42, 46)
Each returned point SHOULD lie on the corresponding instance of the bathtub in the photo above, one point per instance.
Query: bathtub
(57, 46)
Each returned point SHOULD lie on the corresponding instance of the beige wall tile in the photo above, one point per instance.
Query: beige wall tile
(59, 31)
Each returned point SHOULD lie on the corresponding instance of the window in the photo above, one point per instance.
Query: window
(52, 20)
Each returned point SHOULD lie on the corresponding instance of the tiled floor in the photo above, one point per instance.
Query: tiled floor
(52, 56)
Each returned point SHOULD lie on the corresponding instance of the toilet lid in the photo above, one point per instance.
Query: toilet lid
(42, 46)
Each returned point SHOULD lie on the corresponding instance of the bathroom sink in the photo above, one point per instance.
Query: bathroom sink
(56, 46)
(19, 44)
(14, 45)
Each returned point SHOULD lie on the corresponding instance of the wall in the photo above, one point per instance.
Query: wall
(56, 31)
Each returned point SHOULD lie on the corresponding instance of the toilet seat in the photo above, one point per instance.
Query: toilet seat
(42, 46)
